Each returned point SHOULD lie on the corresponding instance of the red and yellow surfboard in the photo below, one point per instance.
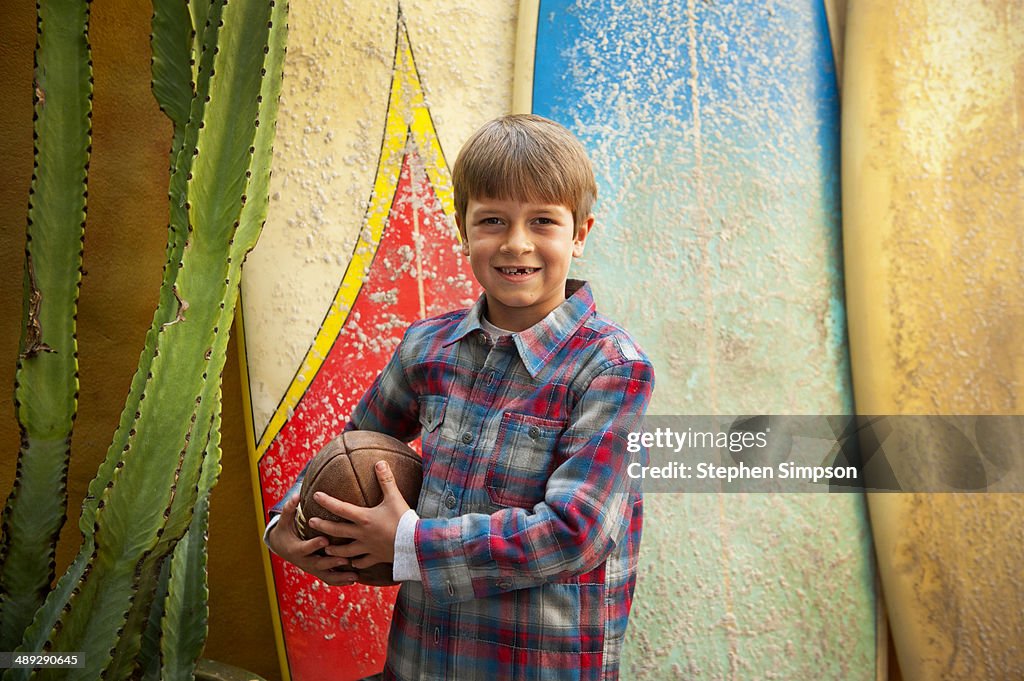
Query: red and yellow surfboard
(406, 264)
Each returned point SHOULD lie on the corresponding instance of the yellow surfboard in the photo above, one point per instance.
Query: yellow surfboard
(933, 210)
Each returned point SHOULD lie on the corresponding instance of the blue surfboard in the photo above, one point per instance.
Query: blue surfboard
(714, 131)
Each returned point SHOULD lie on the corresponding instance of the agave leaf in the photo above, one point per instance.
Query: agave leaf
(46, 382)
(253, 213)
(204, 14)
(177, 627)
(126, 655)
(46, 617)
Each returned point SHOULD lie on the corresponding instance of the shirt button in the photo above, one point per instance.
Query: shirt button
(467, 437)
(449, 501)
(504, 585)
(534, 432)
(490, 378)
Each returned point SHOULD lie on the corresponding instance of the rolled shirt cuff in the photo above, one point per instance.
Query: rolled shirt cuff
(406, 567)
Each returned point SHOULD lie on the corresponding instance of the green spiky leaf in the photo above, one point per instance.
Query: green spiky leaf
(168, 307)
(186, 619)
(171, 40)
(139, 518)
(149, 653)
(46, 383)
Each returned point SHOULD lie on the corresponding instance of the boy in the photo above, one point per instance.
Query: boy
(519, 560)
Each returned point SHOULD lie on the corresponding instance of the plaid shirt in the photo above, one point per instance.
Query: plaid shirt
(530, 527)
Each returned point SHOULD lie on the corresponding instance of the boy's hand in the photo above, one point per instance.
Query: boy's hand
(306, 554)
(372, 530)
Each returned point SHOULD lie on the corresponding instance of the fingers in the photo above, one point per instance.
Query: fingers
(365, 562)
(321, 564)
(356, 554)
(309, 547)
(342, 509)
(350, 550)
(286, 543)
(342, 530)
(358, 514)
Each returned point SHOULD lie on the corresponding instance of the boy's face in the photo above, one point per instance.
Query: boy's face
(520, 253)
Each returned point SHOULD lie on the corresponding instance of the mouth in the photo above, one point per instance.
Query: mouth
(517, 271)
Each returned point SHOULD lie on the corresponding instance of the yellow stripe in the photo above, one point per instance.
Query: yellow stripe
(407, 118)
(250, 439)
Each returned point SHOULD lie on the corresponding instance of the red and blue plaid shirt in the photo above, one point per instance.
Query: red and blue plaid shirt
(530, 526)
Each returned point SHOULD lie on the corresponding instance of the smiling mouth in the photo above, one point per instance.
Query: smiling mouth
(517, 271)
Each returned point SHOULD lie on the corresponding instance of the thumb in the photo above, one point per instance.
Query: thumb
(288, 510)
(386, 479)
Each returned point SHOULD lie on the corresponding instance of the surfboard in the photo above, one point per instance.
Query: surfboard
(360, 242)
(714, 131)
(933, 208)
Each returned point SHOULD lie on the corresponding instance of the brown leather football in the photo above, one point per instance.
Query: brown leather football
(344, 470)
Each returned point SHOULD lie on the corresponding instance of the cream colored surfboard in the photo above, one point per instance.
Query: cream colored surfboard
(933, 204)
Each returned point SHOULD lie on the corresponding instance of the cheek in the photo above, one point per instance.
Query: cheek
(562, 255)
(478, 261)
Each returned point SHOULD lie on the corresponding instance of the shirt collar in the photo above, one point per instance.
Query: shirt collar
(538, 343)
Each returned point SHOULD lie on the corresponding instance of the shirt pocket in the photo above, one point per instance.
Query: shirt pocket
(431, 417)
(523, 459)
(431, 412)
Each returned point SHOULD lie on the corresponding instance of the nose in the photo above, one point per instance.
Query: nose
(517, 240)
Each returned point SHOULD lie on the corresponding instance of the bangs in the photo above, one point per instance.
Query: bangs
(525, 158)
(520, 174)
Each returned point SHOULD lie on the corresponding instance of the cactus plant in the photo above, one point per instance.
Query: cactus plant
(46, 380)
(133, 600)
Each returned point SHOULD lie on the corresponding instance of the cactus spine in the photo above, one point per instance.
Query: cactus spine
(134, 599)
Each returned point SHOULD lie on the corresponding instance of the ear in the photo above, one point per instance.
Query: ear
(580, 240)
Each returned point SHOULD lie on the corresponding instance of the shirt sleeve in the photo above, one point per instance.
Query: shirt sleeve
(274, 517)
(389, 405)
(586, 508)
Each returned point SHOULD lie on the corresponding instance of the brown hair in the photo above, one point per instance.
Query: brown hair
(525, 157)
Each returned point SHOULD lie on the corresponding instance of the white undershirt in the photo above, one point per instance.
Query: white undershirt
(493, 331)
